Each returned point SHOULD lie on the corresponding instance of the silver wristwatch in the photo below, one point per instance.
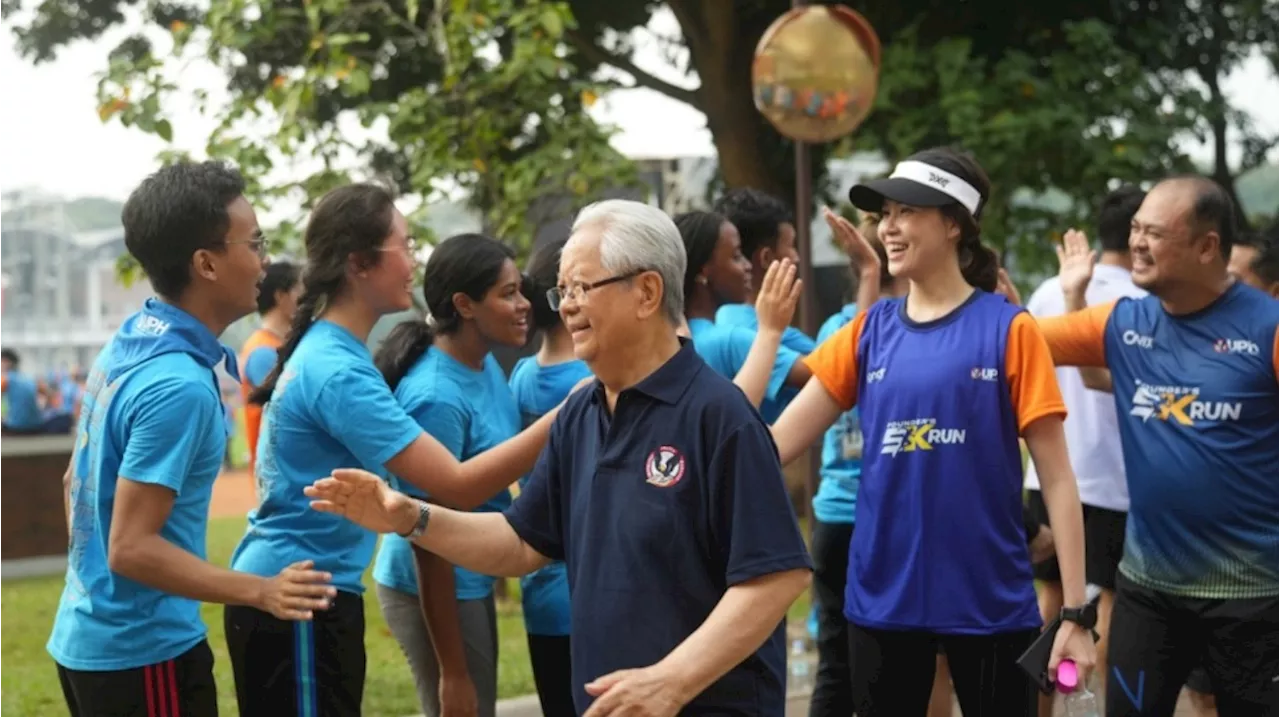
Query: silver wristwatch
(420, 526)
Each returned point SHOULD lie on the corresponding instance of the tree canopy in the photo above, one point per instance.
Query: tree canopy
(1057, 100)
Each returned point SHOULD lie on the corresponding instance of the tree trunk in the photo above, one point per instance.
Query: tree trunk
(1210, 71)
(722, 56)
(1218, 121)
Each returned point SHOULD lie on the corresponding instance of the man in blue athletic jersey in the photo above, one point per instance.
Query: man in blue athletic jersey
(128, 639)
(1194, 370)
(659, 487)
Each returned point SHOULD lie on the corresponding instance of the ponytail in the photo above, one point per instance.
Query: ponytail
(316, 291)
(979, 265)
(402, 348)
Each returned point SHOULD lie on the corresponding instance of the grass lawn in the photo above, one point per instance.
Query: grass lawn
(29, 681)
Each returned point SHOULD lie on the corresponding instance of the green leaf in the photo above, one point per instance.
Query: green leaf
(165, 130)
(342, 38)
(551, 22)
(127, 270)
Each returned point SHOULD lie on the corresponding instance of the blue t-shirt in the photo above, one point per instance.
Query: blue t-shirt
(69, 392)
(725, 350)
(537, 390)
(1197, 401)
(793, 339)
(258, 364)
(469, 412)
(152, 414)
(744, 315)
(330, 409)
(944, 478)
(23, 412)
(657, 509)
(837, 493)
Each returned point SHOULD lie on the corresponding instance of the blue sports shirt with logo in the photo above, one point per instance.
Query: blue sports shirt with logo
(940, 543)
(1197, 402)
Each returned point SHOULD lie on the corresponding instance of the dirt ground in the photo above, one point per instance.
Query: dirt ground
(233, 494)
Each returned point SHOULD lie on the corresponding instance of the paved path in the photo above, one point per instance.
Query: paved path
(797, 706)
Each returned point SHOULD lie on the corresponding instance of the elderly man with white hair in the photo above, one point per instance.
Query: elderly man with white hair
(659, 487)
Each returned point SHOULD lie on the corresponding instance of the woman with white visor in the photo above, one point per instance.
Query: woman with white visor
(946, 379)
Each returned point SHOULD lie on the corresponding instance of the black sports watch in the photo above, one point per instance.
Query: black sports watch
(1085, 616)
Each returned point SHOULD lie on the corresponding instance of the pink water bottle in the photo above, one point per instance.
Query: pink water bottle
(1079, 701)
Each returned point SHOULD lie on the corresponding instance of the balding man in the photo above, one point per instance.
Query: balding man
(660, 488)
(1194, 370)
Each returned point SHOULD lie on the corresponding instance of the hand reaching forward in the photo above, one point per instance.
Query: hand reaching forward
(364, 499)
(778, 296)
(1075, 262)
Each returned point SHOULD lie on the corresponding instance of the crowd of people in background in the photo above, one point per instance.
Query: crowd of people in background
(34, 406)
(630, 470)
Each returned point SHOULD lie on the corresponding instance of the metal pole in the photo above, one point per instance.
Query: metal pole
(808, 312)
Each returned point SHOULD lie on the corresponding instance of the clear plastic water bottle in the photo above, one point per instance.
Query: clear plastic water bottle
(1077, 698)
(799, 669)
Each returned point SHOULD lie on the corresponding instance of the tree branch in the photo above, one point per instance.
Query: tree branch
(596, 53)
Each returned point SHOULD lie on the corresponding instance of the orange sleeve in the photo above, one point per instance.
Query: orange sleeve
(1275, 354)
(1077, 338)
(835, 362)
(1033, 386)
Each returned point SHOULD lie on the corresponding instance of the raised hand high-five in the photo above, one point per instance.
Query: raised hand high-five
(1075, 263)
(779, 293)
(860, 251)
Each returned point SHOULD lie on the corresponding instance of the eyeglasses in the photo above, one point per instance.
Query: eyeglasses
(577, 290)
(409, 247)
(258, 244)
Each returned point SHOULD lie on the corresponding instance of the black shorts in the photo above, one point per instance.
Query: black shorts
(181, 687)
(1158, 639)
(1198, 680)
(308, 669)
(830, 549)
(552, 673)
(1103, 543)
(892, 672)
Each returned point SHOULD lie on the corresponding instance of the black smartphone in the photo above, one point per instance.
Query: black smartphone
(1035, 661)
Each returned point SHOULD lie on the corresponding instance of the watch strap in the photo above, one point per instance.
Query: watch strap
(420, 526)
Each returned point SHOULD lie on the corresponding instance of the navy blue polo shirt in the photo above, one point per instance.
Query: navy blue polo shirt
(656, 511)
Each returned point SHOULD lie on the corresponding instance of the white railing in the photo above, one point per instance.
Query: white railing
(18, 334)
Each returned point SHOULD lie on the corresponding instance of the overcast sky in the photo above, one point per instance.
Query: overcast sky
(51, 138)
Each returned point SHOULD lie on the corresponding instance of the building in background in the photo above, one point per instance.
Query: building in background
(62, 301)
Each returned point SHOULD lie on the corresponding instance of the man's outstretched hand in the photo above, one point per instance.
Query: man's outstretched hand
(364, 499)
